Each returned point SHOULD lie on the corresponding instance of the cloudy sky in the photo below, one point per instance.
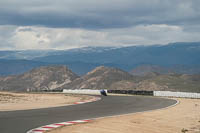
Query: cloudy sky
(64, 24)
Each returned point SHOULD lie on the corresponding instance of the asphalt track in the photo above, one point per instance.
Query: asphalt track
(22, 121)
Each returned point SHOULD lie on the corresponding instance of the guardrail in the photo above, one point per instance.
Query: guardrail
(176, 94)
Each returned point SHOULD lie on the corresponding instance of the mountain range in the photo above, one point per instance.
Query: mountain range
(182, 58)
(59, 77)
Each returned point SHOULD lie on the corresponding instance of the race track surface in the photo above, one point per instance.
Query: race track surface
(22, 121)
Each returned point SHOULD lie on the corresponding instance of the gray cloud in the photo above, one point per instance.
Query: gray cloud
(34, 37)
(5, 33)
(99, 14)
(67, 24)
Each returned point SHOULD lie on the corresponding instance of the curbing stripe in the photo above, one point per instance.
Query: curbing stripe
(42, 129)
(59, 124)
(37, 130)
(45, 127)
(56, 125)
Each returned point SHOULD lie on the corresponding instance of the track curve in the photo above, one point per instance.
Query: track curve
(22, 121)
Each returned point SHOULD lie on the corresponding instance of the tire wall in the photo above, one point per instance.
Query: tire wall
(132, 92)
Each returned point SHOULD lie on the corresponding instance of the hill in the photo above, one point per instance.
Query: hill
(144, 70)
(103, 78)
(60, 77)
(171, 82)
(42, 78)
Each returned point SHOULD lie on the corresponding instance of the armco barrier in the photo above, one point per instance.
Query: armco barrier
(84, 91)
(133, 92)
(176, 94)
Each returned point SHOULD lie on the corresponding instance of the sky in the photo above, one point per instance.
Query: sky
(66, 24)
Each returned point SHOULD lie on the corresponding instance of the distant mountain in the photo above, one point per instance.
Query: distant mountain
(126, 58)
(171, 82)
(28, 54)
(43, 78)
(145, 70)
(103, 78)
(13, 67)
(176, 57)
(32, 54)
(163, 55)
(185, 69)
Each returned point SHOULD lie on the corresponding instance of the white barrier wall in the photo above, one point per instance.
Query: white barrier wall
(155, 93)
(176, 94)
(78, 91)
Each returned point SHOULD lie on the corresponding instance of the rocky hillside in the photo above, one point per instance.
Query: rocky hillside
(103, 78)
(171, 82)
(60, 77)
(43, 78)
(112, 78)
(144, 70)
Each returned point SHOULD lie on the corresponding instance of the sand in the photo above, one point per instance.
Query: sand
(182, 118)
(23, 101)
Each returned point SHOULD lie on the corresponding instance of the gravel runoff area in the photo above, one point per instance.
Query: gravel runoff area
(182, 118)
(10, 101)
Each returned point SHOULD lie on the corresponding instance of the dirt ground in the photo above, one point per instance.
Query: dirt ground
(22, 101)
(182, 118)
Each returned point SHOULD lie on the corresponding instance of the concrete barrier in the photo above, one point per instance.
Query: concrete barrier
(176, 94)
(84, 91)
(133, 92)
